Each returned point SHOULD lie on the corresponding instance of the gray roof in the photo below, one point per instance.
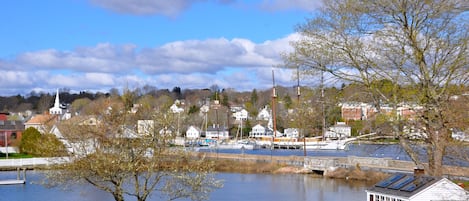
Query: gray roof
(404, 185)
(11, 125)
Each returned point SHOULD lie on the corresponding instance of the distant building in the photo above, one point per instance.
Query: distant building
(340, 130)
(56, 109)
(415, 187)
(193, 132)
(217, 132)
(241, 115)
(259, 131)
(264, 114)
(42, 122)
(291, 133)
(363, 111)
(10, 132)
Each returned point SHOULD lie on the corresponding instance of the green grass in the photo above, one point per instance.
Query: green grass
(15, 156)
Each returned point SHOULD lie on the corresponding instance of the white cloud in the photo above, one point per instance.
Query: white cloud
(209, 56)
(14, 78)
(276, 5)
(101, 58)
(237, 63)
(172, 8)
(146, 7)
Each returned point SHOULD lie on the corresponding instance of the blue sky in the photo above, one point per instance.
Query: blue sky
(96, 45)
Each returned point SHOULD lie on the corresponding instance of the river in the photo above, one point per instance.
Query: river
(237, 187)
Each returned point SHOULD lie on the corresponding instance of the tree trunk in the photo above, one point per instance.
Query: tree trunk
(118, 196)
(435, 160)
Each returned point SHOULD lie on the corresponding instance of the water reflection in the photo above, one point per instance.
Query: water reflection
(246, 187)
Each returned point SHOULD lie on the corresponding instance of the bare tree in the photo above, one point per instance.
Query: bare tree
(421, 44)
(114, 156)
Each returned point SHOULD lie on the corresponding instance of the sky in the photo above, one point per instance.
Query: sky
(97, 45)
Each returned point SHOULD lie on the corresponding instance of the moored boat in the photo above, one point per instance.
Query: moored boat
(240, 144)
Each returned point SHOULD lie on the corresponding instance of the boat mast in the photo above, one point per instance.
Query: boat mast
(274, 96)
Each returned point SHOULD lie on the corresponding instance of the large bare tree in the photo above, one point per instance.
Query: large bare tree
(421, 44)
(110, 153)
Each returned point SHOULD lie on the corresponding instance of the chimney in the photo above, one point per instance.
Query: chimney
(419, 171)
(4, 116)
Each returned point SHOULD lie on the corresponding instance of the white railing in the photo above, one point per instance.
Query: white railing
(30, 162)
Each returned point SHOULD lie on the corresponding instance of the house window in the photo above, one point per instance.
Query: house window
(371, 197)
(13, 136)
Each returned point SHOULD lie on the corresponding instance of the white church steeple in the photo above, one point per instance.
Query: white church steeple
(56, 109)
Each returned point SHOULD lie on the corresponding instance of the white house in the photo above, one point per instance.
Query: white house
(339, 130)
(259, 131)
(264, 114)
(241, 115)
(412, 187)
(41, 122)
(217, 132)
(193, 132)
(291, 133)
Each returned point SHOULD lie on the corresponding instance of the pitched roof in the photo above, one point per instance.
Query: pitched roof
(41, 119)
(404, 185)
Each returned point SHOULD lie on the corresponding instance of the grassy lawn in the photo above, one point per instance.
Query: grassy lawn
(14, 156)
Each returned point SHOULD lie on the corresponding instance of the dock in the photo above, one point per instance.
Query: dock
(16, 181)
(12, 182)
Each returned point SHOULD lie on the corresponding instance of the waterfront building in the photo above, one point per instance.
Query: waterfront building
(415, 187)
(291, 133)
(259, 131)
(216, 131)
(193, 132)
(340, 130)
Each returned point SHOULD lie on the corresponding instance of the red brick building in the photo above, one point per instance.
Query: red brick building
(10, 131)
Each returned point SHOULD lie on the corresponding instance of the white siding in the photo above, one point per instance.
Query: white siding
(193, 132)
(441, 190)
(378, 196)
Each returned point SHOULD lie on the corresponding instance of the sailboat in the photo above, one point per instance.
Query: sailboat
(316, 143)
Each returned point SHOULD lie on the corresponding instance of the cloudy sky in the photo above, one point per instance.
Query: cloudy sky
(96, 45)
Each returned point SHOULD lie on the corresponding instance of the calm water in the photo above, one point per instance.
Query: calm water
(362, 150)
(244, 187)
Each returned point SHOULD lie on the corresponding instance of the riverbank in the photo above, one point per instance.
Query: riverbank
(250, 167)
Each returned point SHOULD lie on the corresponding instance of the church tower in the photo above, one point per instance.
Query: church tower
(56, 109)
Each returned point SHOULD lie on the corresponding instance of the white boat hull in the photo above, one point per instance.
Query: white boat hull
(235, 145)
(313, 145)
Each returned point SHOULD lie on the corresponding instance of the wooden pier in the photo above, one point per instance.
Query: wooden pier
(16, 181)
